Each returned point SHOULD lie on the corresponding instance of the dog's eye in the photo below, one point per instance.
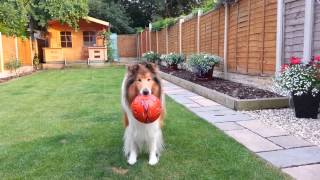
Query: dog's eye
(149, 79)
(139, 80)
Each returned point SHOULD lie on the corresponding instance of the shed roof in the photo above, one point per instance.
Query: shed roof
(97, 20)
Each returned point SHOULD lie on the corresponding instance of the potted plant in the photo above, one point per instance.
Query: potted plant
(302, 81)
(151, 56)
(172, 60)
(203, 64)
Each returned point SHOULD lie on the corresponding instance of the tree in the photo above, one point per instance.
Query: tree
(13, 18)
(16, 15)
(113, 13)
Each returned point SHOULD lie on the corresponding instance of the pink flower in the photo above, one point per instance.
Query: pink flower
(295, 60)
(284, 67)
(317, 58)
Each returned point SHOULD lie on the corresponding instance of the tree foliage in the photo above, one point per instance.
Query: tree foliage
(112, 12)
(15, 15)
(66, 11)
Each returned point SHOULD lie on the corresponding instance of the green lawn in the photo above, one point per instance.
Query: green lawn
(66, 124)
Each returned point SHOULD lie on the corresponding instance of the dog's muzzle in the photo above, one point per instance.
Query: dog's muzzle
(145, 91)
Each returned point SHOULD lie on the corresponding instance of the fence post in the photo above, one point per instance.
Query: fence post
(138, 46)
(16, 46)
(146, 45)
(167, 48)
(180, 35)
(150, 40)
(279, 41)
(308, 31)
(157, 41)
(31, 51)
(1, 54)
(225, 41)
(198, 31)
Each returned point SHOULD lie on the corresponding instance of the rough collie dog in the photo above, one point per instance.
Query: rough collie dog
(143, 79)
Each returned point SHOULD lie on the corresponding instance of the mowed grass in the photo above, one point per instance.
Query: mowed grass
(66, 124)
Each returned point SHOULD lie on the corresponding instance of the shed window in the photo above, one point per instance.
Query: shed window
(89, 38)
(66, 39)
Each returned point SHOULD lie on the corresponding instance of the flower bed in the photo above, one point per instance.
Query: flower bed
(230, 94)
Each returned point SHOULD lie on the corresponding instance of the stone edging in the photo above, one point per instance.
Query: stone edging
(226, 100)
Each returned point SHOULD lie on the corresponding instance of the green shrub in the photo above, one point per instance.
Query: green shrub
(173, 59)
(200, 64)
(13, 65)
(163, 23)
(151, 57)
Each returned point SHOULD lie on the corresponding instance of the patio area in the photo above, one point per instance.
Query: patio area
(294, 155)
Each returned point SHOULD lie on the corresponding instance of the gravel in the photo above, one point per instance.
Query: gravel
(308, 129)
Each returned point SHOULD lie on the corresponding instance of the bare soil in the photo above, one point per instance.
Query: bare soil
(233, 89)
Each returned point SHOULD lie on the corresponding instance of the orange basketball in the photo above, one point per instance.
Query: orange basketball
(146, 108)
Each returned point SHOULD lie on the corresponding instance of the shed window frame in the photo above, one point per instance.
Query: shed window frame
(66, 39)
(89, 38)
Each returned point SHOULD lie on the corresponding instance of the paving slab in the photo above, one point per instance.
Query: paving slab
(205, 102)
(292, 157)
(308, 172)
(258, 127)
(210, 108)
(181, 99)
(228, 126)
(191, 105)
(290, 141)
(252, 141)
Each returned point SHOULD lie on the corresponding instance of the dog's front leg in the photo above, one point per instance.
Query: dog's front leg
(153, 159)
(133, 153)
(130, 147)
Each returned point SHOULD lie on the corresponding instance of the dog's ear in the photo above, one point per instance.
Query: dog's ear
(132, 69)
(152, 67)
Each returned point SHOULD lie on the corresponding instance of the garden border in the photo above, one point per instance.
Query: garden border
(226, 100)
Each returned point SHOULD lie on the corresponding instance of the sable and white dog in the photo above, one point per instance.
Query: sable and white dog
(142, 78)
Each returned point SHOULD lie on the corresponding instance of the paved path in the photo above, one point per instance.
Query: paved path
(293, 155)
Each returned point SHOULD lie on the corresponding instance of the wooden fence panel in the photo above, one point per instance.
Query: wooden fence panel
(270, 33)
(221, 32)
(294, 28)
(242, 36)
(189, 36)
(206, 26)
(24, 52)
(127, 45)
(316, 30)
(232, 38)
(173, 38)
(162, 41)
(256, 36)
(9, 48)
(153, 41)
(215, 32)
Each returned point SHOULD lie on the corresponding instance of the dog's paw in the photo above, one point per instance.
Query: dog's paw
(132, 161)
(153, 160)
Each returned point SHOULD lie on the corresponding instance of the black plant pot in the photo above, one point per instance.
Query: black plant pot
(306, 105)
(173, 67)
(206, 76)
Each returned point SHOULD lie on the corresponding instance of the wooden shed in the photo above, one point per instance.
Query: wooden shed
(65, 44)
